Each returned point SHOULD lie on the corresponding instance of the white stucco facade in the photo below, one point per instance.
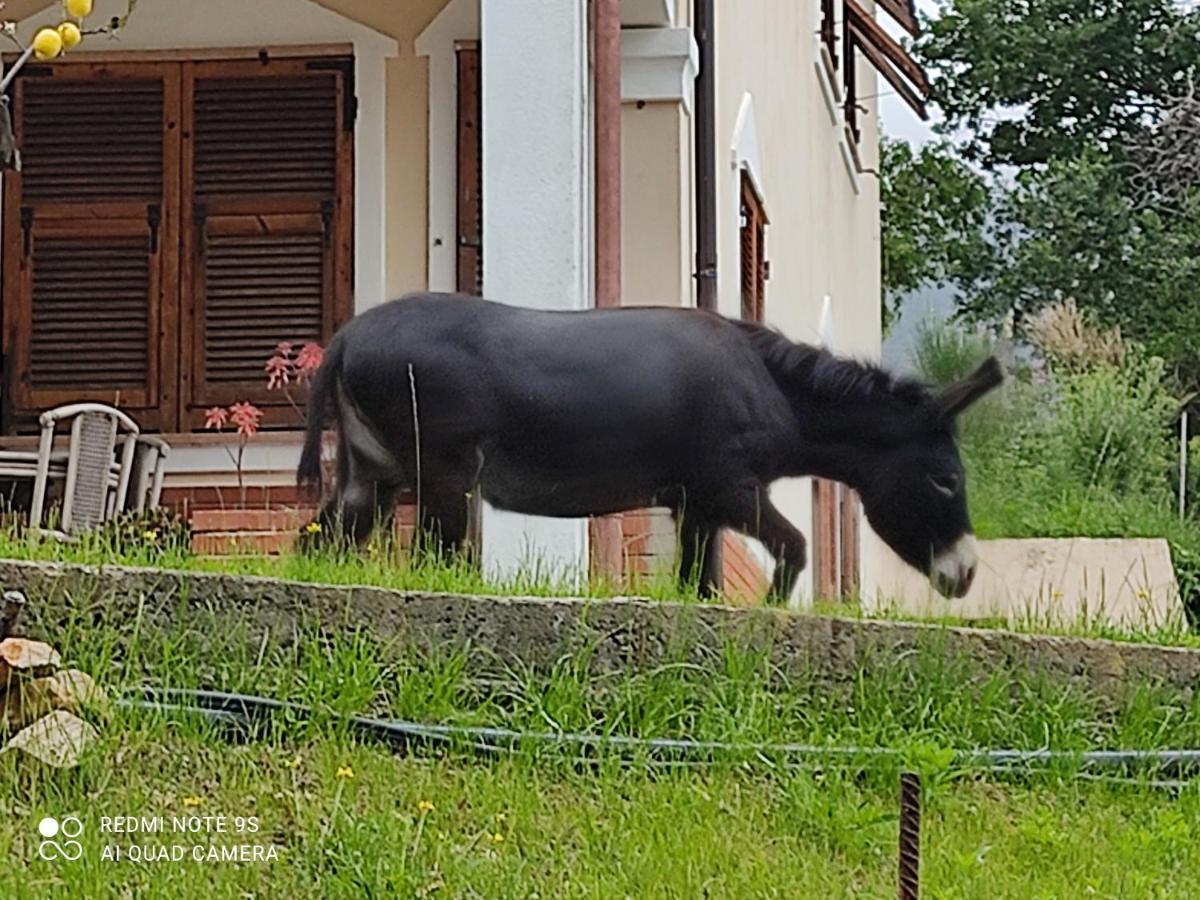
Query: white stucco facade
(777, 122)
(536, 210)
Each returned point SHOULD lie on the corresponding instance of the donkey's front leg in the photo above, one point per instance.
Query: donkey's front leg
(751, 511)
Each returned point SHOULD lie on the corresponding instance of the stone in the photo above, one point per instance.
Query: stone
(24, 658)
(499, 634)
(58, 739)
(27, 700)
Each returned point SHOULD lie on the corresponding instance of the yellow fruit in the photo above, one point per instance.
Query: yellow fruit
(78, 8)
(70, 34)
(47, 43)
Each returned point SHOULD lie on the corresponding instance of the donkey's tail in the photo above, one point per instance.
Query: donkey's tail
(322, 411)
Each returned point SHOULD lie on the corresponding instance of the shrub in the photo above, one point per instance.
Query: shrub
(1070, 339)
(1080, 442)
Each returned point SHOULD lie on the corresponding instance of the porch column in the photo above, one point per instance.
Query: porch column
(534, 66)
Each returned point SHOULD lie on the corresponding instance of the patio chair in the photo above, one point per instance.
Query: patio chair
(148, 471)
(96, 478)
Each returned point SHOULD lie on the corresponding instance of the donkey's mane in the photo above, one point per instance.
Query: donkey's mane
(828, 377)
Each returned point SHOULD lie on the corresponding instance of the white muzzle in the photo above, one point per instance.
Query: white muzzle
(953, 569)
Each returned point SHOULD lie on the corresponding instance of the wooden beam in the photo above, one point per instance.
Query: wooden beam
(888, 71)
(871, 33)
(902, 11)
(604, 532)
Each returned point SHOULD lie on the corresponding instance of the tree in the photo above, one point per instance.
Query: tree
(1077, 73)
(1073, 231)
(934, 209)
(1094, 181)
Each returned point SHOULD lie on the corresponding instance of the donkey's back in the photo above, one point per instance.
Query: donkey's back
(553, 413)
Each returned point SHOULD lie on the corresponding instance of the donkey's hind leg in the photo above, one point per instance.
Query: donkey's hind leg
(448, 510)
(699, 556)
(363, 497)
(354, 511)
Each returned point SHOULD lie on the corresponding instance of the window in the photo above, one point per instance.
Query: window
(755, 269)
(860, 32)
(829, 24)
(176, 221)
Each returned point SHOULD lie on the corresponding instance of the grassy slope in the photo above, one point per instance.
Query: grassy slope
(516, 829)
(741, 829)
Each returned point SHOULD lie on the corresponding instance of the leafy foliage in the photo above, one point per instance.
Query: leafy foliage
(1075, 74)
(1081, 114)
(1072, 230)
(934, 209)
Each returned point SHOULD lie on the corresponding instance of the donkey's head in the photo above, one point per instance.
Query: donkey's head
(916, 496)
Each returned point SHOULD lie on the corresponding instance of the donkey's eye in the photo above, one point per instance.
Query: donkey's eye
(946, 485)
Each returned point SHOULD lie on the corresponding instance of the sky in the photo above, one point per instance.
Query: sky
(897, 118)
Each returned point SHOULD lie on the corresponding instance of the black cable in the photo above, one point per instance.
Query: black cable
(233, 709)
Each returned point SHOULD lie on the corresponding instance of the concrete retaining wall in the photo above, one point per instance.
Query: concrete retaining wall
(537, 633)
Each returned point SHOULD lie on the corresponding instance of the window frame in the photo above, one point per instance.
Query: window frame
(752, 233)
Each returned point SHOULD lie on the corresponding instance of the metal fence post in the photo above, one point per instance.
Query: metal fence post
(1183, 464)
(910, 835)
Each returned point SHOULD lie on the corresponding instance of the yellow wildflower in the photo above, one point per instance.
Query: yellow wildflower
(345, 772)
(497, 838)
(425, 806)
(313, 527)
(150, 535)
(193, 800)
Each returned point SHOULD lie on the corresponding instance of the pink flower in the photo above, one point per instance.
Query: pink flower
(246, 416)
(216, 418)
(279, 371)
(308, 360)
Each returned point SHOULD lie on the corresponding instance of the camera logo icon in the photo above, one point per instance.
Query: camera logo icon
(69, 828)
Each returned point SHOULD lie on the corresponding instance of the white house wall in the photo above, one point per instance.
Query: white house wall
(823, 237)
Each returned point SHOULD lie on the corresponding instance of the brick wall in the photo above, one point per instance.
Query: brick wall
(650, 544)
(743, 581)
(267, 532)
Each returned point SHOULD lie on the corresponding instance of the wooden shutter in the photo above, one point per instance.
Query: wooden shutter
(87, 221)
(470, 170)
(824, 550)
(753, 262)
(848, 540)
(835, 539)
(268, 180)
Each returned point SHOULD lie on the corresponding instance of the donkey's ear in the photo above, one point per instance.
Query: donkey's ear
(958, 396)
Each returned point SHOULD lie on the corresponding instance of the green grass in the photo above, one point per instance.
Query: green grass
(743, 827)
(381, 565)
(520, 829)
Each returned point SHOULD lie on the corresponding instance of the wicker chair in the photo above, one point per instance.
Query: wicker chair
(149, 466)
(96, 478)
